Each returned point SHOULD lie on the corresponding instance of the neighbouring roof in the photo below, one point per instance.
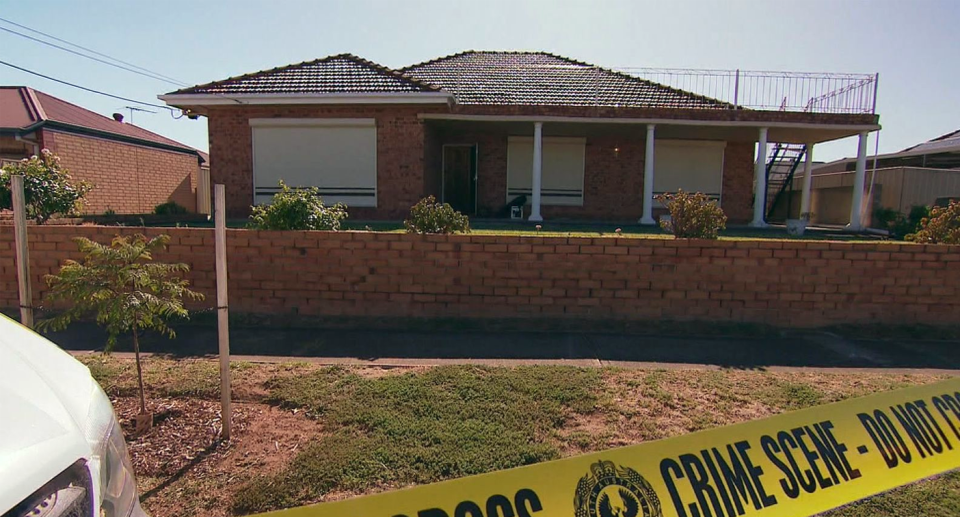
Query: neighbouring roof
(342, 73)
(472, 77)
(949, 142)
(544, 79)
(24, 109)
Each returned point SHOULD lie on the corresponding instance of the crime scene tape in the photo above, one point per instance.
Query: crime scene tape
(791, 465)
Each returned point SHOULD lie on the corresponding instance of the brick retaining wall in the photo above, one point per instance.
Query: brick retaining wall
(788, 283)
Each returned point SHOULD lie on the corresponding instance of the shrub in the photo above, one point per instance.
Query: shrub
(169, 208)
(941, 227)
(47, 187)
(428, 216)
(899, 225)
(297, 209)
(692, 216)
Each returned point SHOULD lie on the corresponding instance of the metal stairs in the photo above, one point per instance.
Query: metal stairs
(781, 167)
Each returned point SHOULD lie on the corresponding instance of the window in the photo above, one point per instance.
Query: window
(561, 174)
(691, 165)
(339, 156)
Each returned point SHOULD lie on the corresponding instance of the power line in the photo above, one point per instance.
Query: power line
(91, 90)
(74, 52)
(101, 54)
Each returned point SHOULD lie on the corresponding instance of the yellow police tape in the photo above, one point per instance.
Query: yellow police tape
(795, 464)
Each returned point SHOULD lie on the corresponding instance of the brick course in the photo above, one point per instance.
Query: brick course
(127, 178)
(791, 283)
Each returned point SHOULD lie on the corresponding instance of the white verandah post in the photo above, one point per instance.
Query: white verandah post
(856, 207)
(648, 178)
(807, 182)
(760, 180)
(537, 172)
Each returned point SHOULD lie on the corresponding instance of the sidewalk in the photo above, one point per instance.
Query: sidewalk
(793, 350)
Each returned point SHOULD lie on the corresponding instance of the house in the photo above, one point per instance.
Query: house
(481, 129)
(924, 174)
(132, 169)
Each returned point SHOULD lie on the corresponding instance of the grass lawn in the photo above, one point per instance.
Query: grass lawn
(305, 433)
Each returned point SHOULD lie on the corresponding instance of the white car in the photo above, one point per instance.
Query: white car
(62, 452)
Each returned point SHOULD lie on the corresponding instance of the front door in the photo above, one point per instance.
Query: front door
(460, 177)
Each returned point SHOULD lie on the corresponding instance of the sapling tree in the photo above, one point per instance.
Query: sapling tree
(125, 291)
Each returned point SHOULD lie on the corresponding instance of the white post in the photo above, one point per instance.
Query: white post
(23, 254)
(223, 315)
(648, 178)
(856, 207)
(760, 180)
(807, 181)
(537, 171)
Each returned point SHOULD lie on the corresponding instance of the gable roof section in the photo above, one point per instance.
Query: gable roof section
(342, 73)
(544, 79)
(24, 109)
(949, 142)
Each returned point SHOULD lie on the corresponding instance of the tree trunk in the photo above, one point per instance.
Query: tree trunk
(136, 352)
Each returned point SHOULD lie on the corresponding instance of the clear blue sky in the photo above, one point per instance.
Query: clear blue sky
(914, 45)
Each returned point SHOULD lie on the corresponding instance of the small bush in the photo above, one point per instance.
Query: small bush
(48, 188)
(297, 209)
(428, 216)
(692, 216)
(941, 227)
(899, 225)
(169, 208)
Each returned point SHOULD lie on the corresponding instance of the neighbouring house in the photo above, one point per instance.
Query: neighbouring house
(132, 169)
(924, 174)
(483, 129)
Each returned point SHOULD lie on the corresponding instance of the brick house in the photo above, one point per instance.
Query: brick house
(132, 169)
(481, 129)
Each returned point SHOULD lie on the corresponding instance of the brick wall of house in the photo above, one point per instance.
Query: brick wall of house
(400, 153)
(789, 283)
(127, 178)
(613, 177)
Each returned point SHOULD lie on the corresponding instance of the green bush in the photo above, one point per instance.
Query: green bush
(297, 209)
(899, 225)
(47, 187)
(428, 216)
(169, 208)
(692, 216)
(941, 227)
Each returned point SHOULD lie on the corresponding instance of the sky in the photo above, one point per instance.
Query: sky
(913, 45)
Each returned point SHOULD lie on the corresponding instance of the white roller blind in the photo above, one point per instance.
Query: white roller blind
(337, 155)
(691, 165)
(562, 169)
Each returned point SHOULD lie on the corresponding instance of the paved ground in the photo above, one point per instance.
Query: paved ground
(790, 350)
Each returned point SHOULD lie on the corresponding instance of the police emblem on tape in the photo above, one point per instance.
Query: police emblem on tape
(610, 490)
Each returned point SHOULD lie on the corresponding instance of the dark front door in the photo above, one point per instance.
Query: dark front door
(460, 177)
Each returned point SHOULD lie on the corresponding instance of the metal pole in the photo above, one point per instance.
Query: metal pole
(736, 91)
(23, 254)
(223, 327)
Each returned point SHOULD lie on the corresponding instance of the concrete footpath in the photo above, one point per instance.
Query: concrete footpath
(792, 350)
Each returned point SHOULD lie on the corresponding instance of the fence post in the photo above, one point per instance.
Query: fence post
(223, 315)
(736, 91)
(23, 254)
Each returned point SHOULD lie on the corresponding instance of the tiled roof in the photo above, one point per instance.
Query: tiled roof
(22, 107)
(544, 79)
(343, 73)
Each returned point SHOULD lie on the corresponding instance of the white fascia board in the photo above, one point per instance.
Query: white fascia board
(654, 121)
(313, 122)
(306, 98)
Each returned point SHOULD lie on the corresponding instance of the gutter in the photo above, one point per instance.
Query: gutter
(19, 133)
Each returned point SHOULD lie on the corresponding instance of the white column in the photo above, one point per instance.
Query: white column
(537, 171)
(760, 180)
(807, 181)
(648, 179)
(856, 207)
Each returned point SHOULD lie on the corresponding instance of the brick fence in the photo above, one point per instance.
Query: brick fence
(788, 283)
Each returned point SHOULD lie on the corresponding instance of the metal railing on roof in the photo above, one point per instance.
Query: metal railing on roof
(763, 90)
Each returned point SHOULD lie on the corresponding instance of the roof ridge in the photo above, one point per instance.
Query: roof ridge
(293, 66)
(406, 69)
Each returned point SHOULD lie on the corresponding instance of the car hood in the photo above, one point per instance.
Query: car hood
(44, 393)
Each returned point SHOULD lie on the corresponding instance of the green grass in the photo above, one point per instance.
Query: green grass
(443, 423)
